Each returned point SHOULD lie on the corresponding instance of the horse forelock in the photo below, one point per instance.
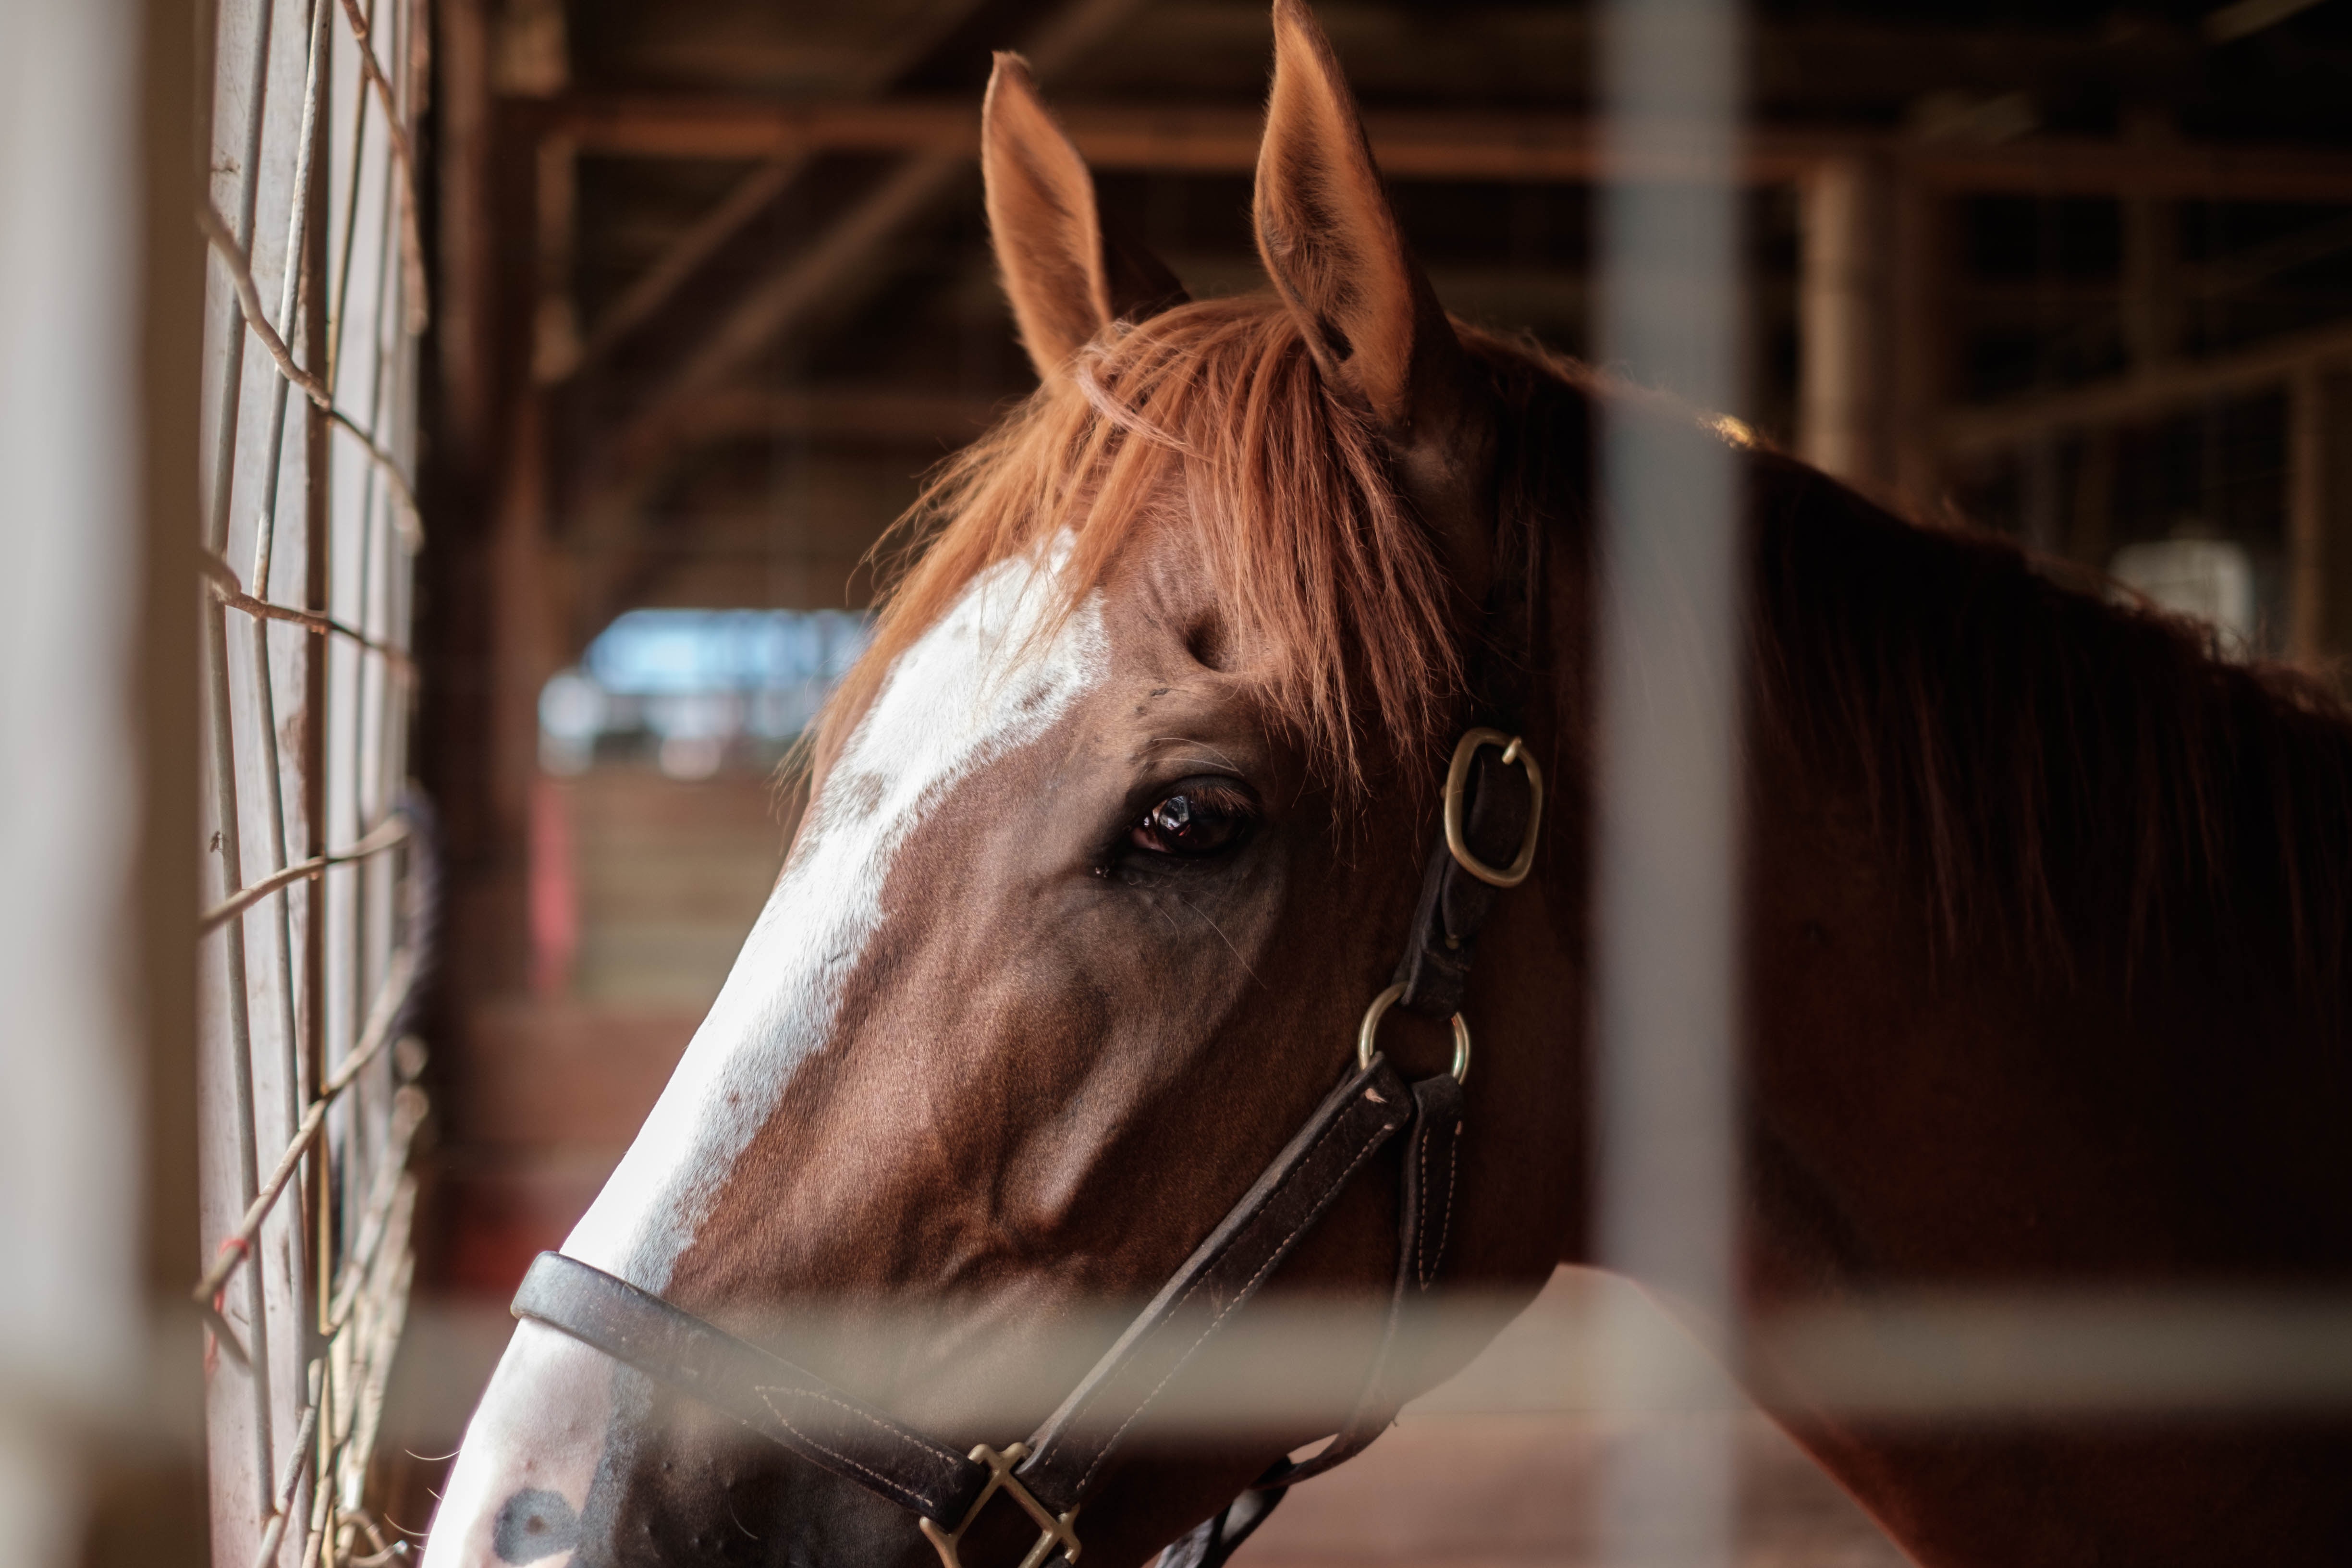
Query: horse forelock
(1210, 419)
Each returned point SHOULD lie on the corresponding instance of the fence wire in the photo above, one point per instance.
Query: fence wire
(313, 902)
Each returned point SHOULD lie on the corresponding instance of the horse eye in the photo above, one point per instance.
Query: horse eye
(1191, 822)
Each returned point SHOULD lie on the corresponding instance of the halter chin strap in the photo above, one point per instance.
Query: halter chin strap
(1490, 829)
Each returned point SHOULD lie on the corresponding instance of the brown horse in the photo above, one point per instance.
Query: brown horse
(1119, 825)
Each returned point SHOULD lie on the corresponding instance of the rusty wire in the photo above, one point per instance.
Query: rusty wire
(239, 268)
(236, 1249)
(388, 835)
(225, 587)
(412, 243)
(338, 1110)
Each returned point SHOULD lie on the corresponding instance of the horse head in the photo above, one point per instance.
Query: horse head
(1111, 838)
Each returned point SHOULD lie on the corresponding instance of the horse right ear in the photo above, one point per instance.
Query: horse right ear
(1068, 280)
(1331, 244)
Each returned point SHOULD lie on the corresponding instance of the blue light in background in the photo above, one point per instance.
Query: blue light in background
(696, 688)
(649, 653)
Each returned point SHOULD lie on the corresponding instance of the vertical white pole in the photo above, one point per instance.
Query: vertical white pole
(71, 1327)
(1667, 866)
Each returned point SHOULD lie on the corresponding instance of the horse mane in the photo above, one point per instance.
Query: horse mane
(2071, 778)
(2074, 776)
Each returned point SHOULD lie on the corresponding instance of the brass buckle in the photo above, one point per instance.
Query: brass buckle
(1058, 1532)
(1458, 780)
(1371, 1026)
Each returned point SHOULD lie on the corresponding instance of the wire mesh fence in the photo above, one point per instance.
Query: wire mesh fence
(315, 912)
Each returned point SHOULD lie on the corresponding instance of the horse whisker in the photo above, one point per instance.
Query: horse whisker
(1221, 937)
(1210, 753)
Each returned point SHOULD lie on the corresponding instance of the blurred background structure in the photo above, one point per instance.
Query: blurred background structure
(708, 290)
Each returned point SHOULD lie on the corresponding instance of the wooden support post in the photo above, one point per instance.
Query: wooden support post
(2151, 279)
(1917, 344)
(2040, 497)
(521, 659)
(2089, 538)
(2306, 515)
(464, 335)
(2331, 613)
(555, 337)
(1842, 321)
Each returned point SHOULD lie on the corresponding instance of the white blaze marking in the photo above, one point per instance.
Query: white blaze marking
(541, 1427)
(976, 685)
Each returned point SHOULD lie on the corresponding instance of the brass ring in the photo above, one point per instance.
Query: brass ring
(1371, 1026)
(1060, 1531)
(1457, 779)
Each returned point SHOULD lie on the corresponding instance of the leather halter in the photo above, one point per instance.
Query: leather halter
(1050, 1474)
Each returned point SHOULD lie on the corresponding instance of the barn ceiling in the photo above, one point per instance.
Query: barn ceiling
(747, 289)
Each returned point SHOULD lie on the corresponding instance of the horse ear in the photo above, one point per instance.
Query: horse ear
(1331, 242)
(1067, 279)
(1330, 239)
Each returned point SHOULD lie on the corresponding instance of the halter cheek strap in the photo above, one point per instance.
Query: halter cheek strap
(1490, 828)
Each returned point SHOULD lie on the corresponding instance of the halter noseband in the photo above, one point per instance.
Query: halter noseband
(1050, 1474)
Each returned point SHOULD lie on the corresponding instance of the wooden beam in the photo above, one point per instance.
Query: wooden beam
(779, 300)
(1435, 145)
(2056, 167)
(653, 287)
(757, 190)
(2176, 384)
(839, 257)
(836, 414)
(1196, 138)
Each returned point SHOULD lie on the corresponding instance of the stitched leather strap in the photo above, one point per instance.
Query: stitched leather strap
(1434, 968)
(790, 1404)
(1069, 1452)
(1218, 1537)
(1425, 1226)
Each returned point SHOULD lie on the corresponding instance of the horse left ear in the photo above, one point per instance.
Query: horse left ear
(1066, 278)
(1330, 240)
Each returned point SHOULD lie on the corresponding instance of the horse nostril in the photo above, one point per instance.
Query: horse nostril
(533, 1524)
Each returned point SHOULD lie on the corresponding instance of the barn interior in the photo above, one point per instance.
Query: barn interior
(713, 291)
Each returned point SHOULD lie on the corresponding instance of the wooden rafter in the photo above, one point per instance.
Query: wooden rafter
(835, 262)
(2167, 388)
(838, 258)
(758, 190)
(1439, 146)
